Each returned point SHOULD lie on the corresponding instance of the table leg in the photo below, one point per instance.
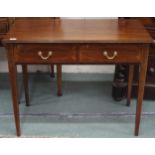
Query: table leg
(141, 85)
(52, 71)
(130, 80)
(15, 99)
(25, 82)
(59, 80)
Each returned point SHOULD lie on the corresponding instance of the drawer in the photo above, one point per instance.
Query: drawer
(45, 53)
(109, 53)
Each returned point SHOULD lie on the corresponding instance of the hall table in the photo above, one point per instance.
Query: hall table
(77, 41)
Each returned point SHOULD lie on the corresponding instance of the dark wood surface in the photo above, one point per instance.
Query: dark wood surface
(77, 31)
(121, 73)
(75, 42)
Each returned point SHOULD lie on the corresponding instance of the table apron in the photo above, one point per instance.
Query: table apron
(78, 54)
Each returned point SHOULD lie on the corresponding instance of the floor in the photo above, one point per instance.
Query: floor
(86, 109)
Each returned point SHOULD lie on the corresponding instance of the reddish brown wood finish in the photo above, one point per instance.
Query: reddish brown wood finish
(26, 84)
(77, 31)
(130, 80)
(77, 41)
(141, 84)
(60, 54)
(13, 80)
(94, 53)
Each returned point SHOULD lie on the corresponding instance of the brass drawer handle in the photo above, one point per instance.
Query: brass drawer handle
(105, 53)
(43, 57)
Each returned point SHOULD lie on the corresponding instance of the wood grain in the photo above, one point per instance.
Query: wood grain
(79, 31)
(77, 41)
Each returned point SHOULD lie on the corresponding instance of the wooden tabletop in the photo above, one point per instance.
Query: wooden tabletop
(48, 30)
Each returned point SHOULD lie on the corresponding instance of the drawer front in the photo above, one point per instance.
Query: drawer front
(110, 53)
(45, 53)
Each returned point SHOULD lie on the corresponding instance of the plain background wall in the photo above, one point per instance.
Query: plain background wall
(66, 68)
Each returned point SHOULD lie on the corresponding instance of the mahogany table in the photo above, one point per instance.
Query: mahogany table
(80, 41)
